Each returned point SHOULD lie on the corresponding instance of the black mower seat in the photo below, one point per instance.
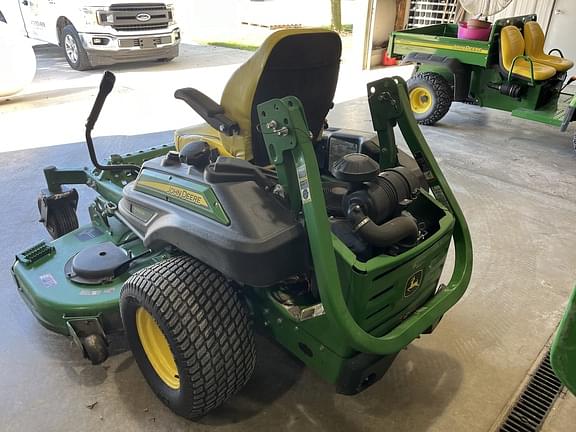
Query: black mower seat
(292, 62)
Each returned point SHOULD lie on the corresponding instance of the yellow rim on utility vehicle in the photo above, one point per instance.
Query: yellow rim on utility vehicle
(156, 348)
(420, 99)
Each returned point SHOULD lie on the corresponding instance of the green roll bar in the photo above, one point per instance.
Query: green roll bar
(523, 57)
(563, 352)
(289, 145)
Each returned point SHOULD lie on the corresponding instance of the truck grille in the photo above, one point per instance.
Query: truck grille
(125, 16)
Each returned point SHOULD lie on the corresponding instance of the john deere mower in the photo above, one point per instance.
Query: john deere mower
(330, 241)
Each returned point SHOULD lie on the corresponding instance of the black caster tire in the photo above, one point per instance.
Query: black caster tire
(430, 96)
(74, 52)
(60, 220)
(190, 332)
(95, 348)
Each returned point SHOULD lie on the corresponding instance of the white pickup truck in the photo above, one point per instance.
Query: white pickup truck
(99, 32)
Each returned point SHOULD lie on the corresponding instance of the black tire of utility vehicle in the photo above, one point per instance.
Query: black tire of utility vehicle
(442, 96)
(74, 52)
(206, 324)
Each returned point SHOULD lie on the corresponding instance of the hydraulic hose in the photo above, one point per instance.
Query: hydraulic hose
(385, 235)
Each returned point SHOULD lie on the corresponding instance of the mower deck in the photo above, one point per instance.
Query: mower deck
(63, 305)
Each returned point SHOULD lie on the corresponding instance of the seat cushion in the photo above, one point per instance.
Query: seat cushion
(534, 40)
(557, 62)
(541, 71)
(291, 62)
(511, 46)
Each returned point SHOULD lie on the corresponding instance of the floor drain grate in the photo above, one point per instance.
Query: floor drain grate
(534, 403)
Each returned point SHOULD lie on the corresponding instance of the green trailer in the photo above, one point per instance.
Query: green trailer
(508, 72)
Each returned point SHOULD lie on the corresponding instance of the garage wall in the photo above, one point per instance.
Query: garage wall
(543, 8)
(384, 18)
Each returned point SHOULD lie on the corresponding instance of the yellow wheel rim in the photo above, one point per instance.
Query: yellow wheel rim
(156, 348)
(420, 100)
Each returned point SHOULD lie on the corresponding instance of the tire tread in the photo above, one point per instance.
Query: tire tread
(442, 91)
(208, 320)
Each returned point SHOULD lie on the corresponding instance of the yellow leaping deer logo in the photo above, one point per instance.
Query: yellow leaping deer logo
(413, 283)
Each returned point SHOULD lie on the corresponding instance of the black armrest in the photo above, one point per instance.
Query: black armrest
(209, 110)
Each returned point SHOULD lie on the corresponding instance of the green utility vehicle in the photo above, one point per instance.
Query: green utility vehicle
(563, 352)
(331, 241)
(508, 72)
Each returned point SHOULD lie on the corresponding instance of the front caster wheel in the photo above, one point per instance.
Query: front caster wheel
(190, 333)
(95, 348)
(58, 212)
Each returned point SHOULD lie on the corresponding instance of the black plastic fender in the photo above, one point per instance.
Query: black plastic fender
(460, 72)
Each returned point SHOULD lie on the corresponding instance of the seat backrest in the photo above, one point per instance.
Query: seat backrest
(534, 39)
(511, 45)
(292, 62)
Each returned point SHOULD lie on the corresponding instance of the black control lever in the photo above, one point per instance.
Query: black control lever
(106, 86)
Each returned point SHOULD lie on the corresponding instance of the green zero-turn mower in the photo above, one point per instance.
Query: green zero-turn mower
(331, 241)
(508, 72)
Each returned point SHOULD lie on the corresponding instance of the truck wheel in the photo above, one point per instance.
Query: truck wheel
(190, 333)
(430, 97)
(165, 59)
(73, 50)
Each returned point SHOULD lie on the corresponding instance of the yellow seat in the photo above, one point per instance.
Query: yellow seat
(534, 38)
(511, 46)
(291, 62)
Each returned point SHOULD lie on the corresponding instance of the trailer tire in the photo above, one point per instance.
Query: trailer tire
(430, 96)
(190, 333)
(74, 52)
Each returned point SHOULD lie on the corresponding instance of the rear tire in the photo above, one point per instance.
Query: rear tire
(190, 333)
(74, 52)
(430, 96)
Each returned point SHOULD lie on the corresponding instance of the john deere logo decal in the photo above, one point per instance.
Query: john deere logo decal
(413, 283)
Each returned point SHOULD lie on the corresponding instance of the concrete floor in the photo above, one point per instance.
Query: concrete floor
(516, 182)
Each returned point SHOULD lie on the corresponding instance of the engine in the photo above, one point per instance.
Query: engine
(371, 210)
